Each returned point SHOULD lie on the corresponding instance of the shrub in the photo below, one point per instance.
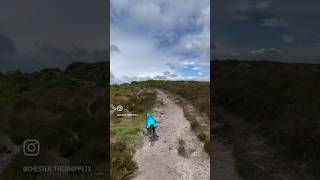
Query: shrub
(181, 149)
(121, 160)
(206, 145)
(202, 136)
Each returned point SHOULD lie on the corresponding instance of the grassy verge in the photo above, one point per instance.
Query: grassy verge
(125, 130)
(198, 129)
(50, 107)
(246, 169)
(278, 99)
(122, 148)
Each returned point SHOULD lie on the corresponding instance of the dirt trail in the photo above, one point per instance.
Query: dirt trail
(223, 167)
(253, 149)
(161, 160)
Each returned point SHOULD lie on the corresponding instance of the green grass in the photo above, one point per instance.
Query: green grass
(17, 83)
(198, 129)
(133, 98)
(55, 129)
(195, 126)
(181, 148)
(123, 137)
(198, 93)
(124, 131)
(207, 145)
(96, 72)
(49, 106)
(127, 130)
(246, 169)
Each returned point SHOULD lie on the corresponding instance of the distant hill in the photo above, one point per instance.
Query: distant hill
(198, 93)
(97, 72)
(16, 82)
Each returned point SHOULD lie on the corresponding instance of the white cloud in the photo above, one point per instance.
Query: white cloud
(262, 5)
(160, 15)
(188, 63)
(155, 37)
(196, 68)
(275, 22)
(288, 38)
(266, 50)
(238, 10)
(137, 58)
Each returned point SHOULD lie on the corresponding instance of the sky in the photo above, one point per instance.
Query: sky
(285, 30)
(156, 39)
(38, 34)
(159, 39)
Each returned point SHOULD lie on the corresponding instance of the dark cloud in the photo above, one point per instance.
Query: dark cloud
(302, 16)
(112, 78)
(68, 22)
(275, 22)
(166, 75)
(213, 46)
(258, 29)
(171, 66)
(114, 48)
(51, 50)
(46, 56)
(75, 53)
(169, 75)
(159, 77)
(7, 46)
(289, 39)
(59, 57)
(52, 33)
(262, 5)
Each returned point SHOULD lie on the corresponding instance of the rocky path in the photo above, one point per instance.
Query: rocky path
(161, 160)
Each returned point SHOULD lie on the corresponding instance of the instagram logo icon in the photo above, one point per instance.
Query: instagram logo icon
(31, 147)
